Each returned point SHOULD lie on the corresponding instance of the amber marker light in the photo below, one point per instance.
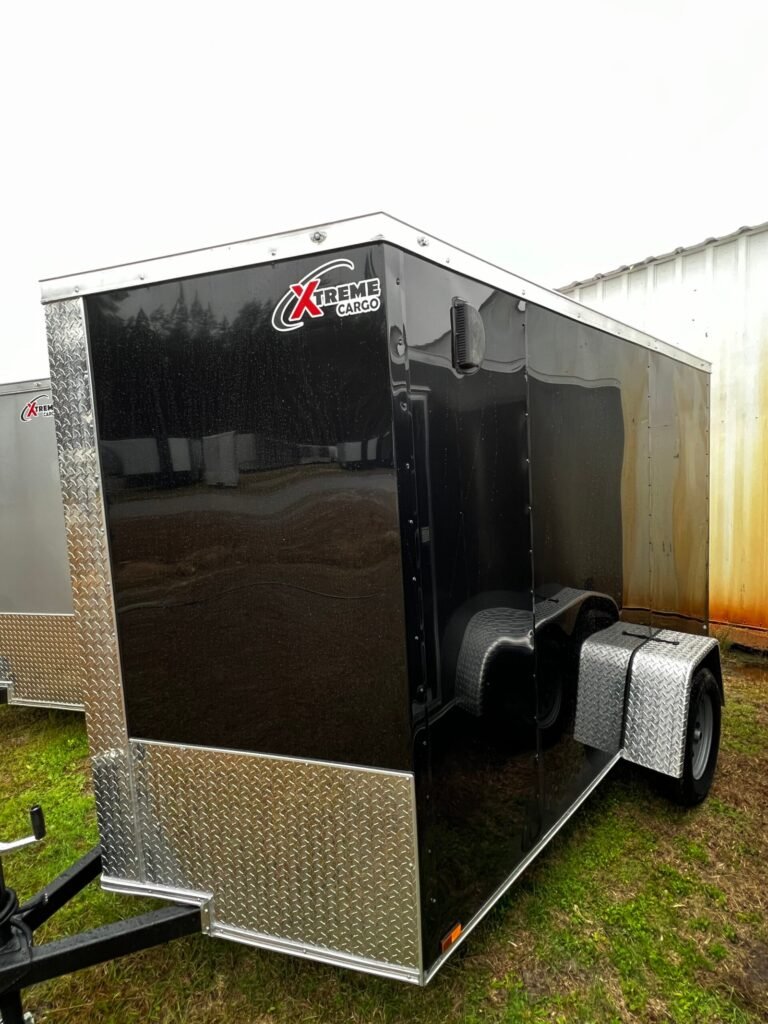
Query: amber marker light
(448, 940)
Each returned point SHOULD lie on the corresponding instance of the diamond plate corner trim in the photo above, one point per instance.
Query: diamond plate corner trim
(659, 694)
(91, 584)
(295, 853)
(604, 661)
(40, 656)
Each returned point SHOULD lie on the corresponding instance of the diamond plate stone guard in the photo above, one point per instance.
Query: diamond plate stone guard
(91, 585)
(313, 853)
(40, 656)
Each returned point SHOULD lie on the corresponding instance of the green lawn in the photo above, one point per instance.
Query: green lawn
(637, 910)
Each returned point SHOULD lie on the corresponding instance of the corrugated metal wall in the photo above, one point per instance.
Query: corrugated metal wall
(713, 300)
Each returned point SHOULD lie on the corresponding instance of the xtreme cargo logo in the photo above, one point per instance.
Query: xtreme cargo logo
(310, 299)
(36, 408)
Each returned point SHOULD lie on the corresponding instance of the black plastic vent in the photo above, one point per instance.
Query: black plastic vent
(468, 336)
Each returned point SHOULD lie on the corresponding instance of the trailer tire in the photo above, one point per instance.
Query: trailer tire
(554, 696)
(702, 742)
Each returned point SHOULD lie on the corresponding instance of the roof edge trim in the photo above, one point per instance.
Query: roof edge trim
(376, 227)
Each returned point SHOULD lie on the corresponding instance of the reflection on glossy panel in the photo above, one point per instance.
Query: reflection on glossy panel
(590, 485)
(477, 786)
(252, 517)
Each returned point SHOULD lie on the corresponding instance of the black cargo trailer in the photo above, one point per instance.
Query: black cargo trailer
(419, 554)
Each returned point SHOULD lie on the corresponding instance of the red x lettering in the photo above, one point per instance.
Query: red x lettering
(31, 409)
(306, 303)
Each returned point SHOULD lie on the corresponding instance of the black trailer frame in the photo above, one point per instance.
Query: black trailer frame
(22, 963)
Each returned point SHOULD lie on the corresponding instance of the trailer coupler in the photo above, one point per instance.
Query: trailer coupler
(22, 963)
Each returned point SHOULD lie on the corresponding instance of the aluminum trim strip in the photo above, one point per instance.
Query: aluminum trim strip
(417, 880)
(376, 227)
(530, 856)
(23, 386)
(318, 953)
(51, 705)
(231, 751)
(38, 615)
(161, 892)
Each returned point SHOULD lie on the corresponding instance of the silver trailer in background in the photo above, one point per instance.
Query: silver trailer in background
(39, 653)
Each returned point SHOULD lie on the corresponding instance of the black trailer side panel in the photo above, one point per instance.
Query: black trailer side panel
(476, 790)
(591, 533)
(252, 516)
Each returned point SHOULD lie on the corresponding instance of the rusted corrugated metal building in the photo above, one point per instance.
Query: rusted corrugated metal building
(712, 298)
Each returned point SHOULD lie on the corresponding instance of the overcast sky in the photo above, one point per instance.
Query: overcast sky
(558, 139)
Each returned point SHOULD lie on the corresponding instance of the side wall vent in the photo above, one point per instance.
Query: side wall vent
(468, 336)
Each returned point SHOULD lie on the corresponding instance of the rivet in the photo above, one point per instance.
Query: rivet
(318, 236)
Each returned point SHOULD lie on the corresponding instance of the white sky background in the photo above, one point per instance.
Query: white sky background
(557, 139)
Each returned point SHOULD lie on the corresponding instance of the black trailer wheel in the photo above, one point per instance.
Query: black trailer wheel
(702, 742)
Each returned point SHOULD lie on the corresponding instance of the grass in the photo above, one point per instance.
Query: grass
(638, 911)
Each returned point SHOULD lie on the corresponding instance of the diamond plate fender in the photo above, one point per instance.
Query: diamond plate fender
(604, 661)
(640, 683)
(512, 629)
(659, 693)
(488, 632)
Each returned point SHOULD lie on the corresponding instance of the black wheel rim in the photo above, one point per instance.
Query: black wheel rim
(701, 741)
